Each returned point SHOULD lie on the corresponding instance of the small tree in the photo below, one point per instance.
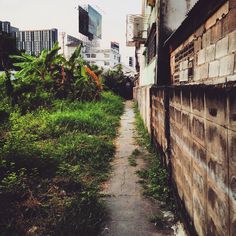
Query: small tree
(117, 81)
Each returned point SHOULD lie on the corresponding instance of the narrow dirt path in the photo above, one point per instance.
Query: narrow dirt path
(129, 210)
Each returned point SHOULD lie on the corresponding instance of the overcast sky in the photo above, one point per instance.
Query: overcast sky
(63, 15)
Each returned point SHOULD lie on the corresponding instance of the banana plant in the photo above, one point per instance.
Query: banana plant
(37, 67)
(51, 72)
(85, 85)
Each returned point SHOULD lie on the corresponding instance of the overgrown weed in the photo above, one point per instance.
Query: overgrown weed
(154, 177)
(52, 163)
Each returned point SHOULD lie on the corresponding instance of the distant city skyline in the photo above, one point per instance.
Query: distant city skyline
(63, 15)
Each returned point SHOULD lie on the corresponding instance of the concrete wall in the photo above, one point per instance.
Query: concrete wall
(194, 123)
(142, 96)
(202, 144)
(203, 167)
(147, 71)
(213, 53)
(159, 122)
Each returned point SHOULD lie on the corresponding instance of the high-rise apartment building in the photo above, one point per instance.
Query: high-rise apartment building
(7, 44)
(5, 26)
(34, 41)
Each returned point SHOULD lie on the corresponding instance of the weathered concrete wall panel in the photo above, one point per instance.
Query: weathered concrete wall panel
(202, 151)
(142, 96)
(232, 160)
(203, 122)
(193, 121)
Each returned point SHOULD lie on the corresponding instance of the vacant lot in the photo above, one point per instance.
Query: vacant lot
(52, 163)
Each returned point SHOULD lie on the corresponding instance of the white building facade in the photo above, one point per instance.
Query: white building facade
(106, 58)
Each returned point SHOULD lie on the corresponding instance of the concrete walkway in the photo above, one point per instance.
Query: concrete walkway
(129, 211)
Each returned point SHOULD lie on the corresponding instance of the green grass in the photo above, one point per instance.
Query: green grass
(143, 138)
(132, 159)
(52, 164)
(136, 152)
(154, 178)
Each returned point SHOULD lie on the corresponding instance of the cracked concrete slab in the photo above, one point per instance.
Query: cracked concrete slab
(129, 211)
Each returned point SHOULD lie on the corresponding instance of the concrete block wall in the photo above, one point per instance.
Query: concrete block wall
(158, 120)
(202, 123)
(203, 161)
(194, 122)
(203, 143)
(214, 55)
(142, 96)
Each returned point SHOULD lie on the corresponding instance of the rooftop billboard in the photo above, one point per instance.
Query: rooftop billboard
(83, 21)
(95, 22)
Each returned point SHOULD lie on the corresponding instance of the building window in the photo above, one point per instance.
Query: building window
(131, 61)
(87, 55)
(93, 55)
(184, 64)
(151, 44)
(106, 63)
(107, 55)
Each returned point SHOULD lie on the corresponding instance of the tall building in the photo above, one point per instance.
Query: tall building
(34, 41)
(7, 44)
(5, 26)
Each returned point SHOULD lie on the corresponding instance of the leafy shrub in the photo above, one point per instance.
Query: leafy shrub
(42, 79)
(116, 81)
